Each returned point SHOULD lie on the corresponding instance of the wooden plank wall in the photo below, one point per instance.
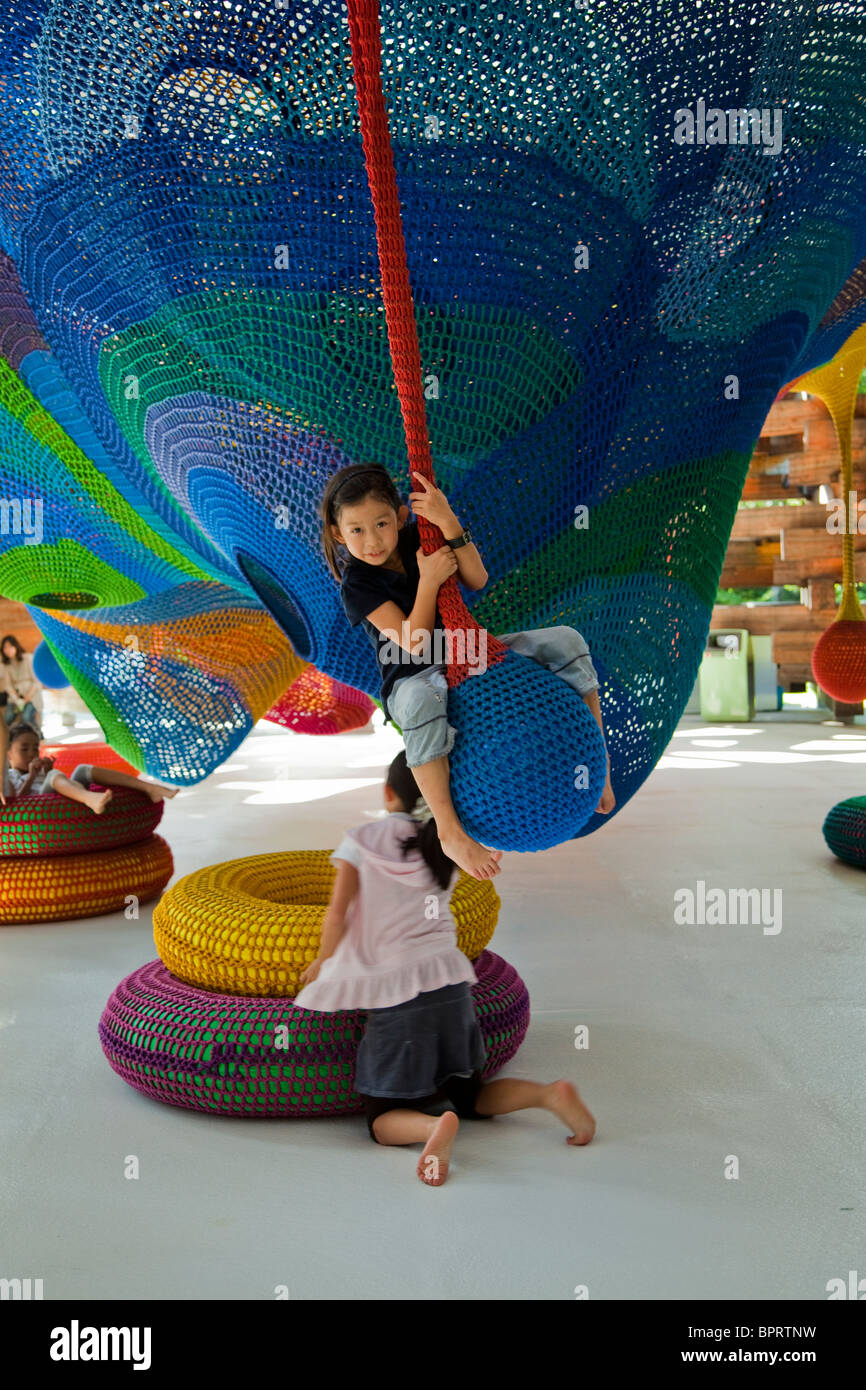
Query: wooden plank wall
(796, 454)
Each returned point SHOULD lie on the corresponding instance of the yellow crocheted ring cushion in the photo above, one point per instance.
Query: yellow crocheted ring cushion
(251, 926)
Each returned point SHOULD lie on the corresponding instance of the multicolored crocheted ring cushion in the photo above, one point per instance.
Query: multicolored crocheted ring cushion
(51, 824)
(83, 885)
(251, 926)
(232, 1056)
(844, 829)
(612, 272)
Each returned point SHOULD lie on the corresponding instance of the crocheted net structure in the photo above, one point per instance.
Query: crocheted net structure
(193, 336)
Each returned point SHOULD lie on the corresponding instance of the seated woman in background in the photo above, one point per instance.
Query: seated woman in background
(22, 689)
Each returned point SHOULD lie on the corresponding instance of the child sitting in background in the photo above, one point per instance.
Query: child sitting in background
(420, 1061)
(25, 773)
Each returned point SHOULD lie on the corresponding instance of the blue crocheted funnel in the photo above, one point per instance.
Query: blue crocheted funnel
(529, 763)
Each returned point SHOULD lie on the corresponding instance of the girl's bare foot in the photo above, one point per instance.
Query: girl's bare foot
(156, 791)
(97, 801)
(470, 855)
(433, 1163)
(608, 800)
(564, 1101)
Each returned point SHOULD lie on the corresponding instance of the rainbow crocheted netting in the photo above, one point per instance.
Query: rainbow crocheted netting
(193, 336)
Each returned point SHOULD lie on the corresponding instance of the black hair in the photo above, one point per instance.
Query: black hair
(402, 782)
(19, 730)
(19, 650)
(346, 487)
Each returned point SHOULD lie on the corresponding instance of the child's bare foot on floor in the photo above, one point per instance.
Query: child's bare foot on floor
(564, 1101)
(156, 791)
(97, 801)
(433, 1163)
(470, 855)
(608, 800)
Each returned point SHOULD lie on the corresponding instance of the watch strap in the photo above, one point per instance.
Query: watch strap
(459, 541)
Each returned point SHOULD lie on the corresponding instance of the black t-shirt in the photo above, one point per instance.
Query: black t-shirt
(366, 587)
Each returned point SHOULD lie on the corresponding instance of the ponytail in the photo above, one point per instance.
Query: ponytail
(402, 782)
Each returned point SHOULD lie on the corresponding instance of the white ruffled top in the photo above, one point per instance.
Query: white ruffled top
(400, 938)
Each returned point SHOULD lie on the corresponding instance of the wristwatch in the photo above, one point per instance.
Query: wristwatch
(460, 541)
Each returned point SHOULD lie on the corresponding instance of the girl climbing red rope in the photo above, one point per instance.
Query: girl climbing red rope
(390, 586)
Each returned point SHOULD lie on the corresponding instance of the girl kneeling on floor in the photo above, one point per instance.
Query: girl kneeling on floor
(389, 946)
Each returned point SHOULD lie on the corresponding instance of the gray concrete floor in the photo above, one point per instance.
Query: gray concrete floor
(706, 1042)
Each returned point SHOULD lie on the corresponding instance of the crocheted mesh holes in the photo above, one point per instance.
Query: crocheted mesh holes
(845, 831)
(251, 926)
(839, 660)
(604, 314)
(83, 885)
(314, 704)
(51, 824)
(260, 1057)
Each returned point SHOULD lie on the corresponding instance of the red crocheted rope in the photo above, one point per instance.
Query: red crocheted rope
(366, 43)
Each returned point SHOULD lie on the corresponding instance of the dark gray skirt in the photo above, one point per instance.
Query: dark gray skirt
(409, 1050)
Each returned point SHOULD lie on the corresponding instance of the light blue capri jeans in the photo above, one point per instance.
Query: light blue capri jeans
(419, 703)
(83, 775)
